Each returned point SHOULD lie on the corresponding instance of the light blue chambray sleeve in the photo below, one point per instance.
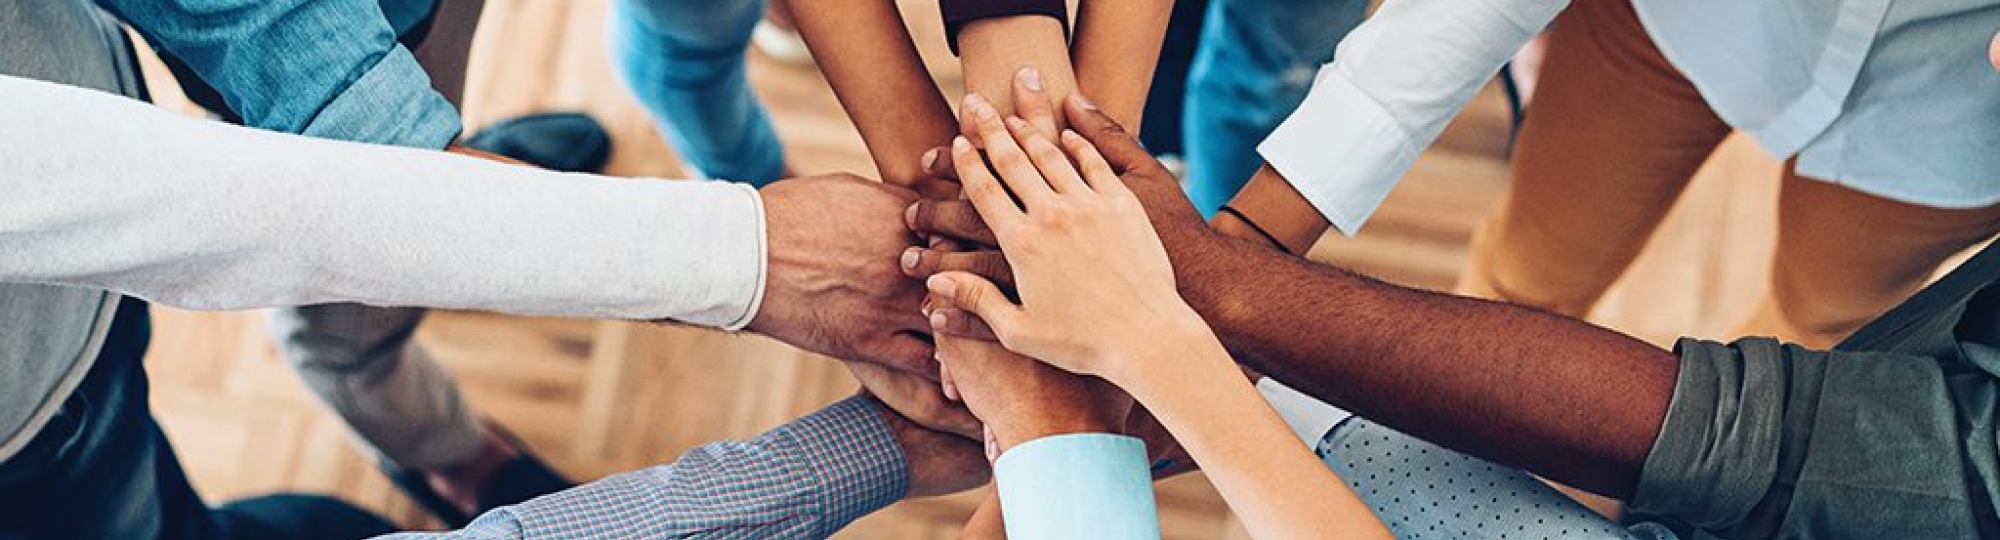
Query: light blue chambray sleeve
(1086, 485)
(805, 479)
(323, 68)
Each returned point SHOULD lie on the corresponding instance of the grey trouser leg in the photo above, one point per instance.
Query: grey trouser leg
(360, 359)
(362, 363)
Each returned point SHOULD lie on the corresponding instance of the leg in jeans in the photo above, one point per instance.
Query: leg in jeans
(101, 468)
(1255, 63)
(685, 61)
(1844, 257)
(1615, 134)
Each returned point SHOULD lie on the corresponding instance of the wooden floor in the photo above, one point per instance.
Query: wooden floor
(599, 397)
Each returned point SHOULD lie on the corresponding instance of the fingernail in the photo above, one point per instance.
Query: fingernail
(1084, 102)
(937, 320)
(942, 286)
(979, 107)
(1031, 78)
(910, 257)
(961, 145)
(930, 159)
(910, 216)
(1017, 123)
(1072, 136)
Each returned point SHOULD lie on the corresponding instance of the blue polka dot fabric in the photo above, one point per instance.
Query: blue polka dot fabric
(1426, 492)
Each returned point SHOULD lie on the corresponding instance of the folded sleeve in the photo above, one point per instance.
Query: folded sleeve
(203, 215)
(958, 13)
(805, 479)
(1089, 485)
(1763, 437)
(1394, 83)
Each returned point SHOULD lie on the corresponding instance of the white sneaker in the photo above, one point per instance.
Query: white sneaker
(782, 45)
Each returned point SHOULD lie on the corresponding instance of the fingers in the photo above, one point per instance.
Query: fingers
(992, 201)
(1091, 164)
(1031, 101)
(1051, 161)
(979, 296)
(939, 181)
(950, 218)
(992, 265)
(950, 386)
(905, 352)
(955, 323)
(1120, 149)
(1009, 160)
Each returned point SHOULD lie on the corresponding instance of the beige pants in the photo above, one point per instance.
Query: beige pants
(1613, 137)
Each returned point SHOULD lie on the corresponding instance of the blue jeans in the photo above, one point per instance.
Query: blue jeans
(1254, 65)
(685, 61)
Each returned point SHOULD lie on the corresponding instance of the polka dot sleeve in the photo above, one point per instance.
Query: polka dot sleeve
(1424, 491)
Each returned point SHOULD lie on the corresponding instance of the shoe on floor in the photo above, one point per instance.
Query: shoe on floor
(567, 142)
(289, 516)
(785, 46)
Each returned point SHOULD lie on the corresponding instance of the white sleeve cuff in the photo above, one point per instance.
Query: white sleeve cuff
(1342, 150)
(1310, 418)
(763, 264)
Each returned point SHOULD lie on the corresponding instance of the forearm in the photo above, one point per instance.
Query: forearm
(1250, 455)
(1117, 48)
(1566, 400)
(992, 51)
(867, 55)
(111, 193)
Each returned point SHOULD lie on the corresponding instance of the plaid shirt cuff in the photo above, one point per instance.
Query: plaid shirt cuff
(859, 464)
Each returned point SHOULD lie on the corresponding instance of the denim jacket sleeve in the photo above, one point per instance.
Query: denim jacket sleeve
(322, 68)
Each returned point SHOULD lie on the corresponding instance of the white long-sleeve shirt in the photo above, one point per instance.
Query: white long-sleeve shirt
(105, 192)
(1877, 95)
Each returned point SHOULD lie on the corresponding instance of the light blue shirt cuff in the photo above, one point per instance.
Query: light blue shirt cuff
(1087, 485)
(394, 104)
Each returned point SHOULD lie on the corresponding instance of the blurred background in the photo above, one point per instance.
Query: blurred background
(597, 397)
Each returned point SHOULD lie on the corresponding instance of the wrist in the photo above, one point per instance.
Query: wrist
(1272, 211)
(1174, 342)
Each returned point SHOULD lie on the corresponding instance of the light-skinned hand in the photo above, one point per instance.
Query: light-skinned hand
(1094, 281)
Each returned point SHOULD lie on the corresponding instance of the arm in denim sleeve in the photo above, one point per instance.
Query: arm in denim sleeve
(805, 479)
(1083, 485)
(322, 68)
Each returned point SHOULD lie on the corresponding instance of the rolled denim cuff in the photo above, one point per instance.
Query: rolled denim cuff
(391, 104)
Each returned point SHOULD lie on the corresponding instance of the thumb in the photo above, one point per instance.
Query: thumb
(1120, 148)
(970, 292)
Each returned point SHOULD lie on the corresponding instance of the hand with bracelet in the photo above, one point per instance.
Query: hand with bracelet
(1098, 297)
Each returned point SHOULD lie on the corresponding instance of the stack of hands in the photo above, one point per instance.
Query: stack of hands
(937, 335)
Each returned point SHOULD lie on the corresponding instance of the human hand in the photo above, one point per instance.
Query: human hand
(916, 398)
(1181, 230)
(1074, 221)
(940, 463)
(834, 285)
(1020, 400)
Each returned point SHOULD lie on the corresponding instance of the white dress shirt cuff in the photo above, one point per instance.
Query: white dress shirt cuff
(1342, 150)
(1310, 418)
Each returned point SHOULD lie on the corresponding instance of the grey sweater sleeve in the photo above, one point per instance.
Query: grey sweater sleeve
(104, 192)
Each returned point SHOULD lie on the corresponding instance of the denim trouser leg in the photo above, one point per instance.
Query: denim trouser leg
(685, 61)
(1256, 61)
(101, 469)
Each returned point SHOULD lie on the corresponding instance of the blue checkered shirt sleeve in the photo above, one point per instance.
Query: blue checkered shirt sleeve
(805, 479)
